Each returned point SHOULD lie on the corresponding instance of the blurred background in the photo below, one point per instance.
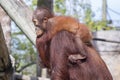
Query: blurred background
(101, 16)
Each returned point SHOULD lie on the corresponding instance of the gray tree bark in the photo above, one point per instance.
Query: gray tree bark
(5, 63)
(6, 23)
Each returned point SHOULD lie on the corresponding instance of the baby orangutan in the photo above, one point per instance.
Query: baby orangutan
(51, 25)
(45, 20)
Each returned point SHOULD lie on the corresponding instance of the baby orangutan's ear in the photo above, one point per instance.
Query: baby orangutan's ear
(45, 19)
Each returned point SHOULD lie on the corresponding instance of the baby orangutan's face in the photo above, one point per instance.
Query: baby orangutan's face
(40, 19)
(40, 23)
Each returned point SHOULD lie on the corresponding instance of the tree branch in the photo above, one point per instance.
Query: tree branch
(23, 67)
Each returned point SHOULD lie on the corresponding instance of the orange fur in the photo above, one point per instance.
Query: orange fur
(60, 23)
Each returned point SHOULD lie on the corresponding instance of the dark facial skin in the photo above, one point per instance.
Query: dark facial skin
(40, 18)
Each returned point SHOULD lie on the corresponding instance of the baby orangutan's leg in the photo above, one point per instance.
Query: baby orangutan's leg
(81, 46)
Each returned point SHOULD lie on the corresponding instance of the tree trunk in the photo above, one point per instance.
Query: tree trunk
(49, 5)
(6, 23)
(5, 63)
(6, 26)
(45, 3)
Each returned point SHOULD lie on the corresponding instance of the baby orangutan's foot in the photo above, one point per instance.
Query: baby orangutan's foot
(76, 58)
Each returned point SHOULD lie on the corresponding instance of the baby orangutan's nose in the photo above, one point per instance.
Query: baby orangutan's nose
(35, 21)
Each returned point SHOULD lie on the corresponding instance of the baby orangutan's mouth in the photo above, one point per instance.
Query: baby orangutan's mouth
(38, 36)
(39, 32)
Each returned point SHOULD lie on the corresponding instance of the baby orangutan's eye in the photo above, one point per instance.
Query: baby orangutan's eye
(45, 19)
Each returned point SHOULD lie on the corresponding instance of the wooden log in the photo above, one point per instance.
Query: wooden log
(21, 15)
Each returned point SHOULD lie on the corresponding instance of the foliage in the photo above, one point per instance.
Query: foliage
(59, 6)
(22, 50)
(84, 14)
(34, 2)
(94, 25)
